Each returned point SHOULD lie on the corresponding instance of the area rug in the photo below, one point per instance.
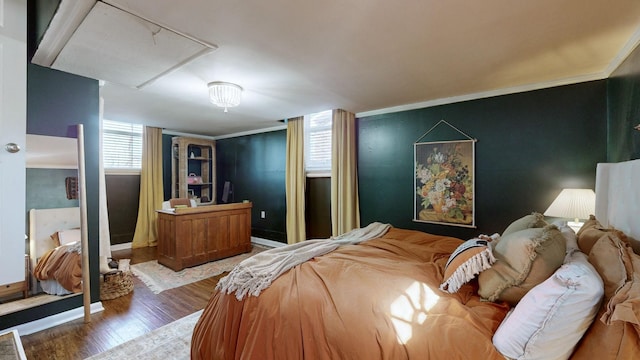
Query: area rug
(159, 278)
(11, 347)
(172, 341)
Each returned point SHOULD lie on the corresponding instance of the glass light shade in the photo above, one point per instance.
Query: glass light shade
(573, 204)
(224, 94)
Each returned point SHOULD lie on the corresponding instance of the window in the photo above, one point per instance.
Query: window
(122, 145)
(317, 143)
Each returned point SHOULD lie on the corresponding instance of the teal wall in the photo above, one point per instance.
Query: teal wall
(530, 146)
(255, 165)
(46, 189)
(623, 141)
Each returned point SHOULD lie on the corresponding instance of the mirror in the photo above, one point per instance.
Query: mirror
(53, 203)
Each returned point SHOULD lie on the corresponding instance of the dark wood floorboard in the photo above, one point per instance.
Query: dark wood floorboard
(123, 319)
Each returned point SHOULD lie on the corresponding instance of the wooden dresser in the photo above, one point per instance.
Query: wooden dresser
(194, 236)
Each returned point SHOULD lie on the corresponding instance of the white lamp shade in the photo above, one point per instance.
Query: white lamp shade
(573, 204)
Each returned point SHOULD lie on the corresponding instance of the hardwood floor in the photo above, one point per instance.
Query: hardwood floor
(123, 319)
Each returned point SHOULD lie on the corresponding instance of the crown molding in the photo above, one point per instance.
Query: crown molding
(624, 53)
(486, 94)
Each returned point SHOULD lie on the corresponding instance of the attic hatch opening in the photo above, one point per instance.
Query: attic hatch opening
(100, 41)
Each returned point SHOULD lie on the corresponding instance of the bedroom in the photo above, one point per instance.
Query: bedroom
(579, 123)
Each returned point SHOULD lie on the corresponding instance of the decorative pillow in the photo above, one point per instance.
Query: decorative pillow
(524, 259)
(468, 260)
(625, 304)
(615, 334)
(589, 234)
(55, 238)
(611, 258)
(551, 318)
(621, 277)
(68, 236)
(534, 220)
(616, 341)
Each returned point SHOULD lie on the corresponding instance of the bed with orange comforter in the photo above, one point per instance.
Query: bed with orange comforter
(63, 265)
(379, 299)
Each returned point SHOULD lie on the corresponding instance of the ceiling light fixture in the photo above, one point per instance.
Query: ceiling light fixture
(224, 94)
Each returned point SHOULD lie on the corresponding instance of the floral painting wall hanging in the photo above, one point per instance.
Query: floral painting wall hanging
(444, 182)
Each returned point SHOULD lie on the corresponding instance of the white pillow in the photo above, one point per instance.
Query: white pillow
(572, 239)
(551, 318)
(68, 236)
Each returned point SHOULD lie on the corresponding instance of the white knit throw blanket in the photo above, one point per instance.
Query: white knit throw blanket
(256, 273)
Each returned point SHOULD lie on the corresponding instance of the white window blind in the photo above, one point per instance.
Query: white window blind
(317, 143)
(122, 145)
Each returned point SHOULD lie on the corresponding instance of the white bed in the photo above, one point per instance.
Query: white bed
(42, 224)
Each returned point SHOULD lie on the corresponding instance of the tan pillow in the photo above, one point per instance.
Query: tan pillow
(524, 259)
(616, 341)
(624, 305)
(615, 335)
(589, 234)
(611, 258)
(533, 220)
(590, 223)
(55, 238)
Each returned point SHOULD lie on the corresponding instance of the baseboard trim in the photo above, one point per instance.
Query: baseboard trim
(266, 242)
(55, 320)
(123, 246)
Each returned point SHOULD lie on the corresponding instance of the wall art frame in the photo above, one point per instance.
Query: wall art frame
(444, 181)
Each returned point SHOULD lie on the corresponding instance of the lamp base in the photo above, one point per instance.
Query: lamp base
(575, 225)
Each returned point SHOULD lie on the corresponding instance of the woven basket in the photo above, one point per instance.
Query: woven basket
(116, 284)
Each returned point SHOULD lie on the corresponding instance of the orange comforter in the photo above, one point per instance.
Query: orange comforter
(62, 264)
(376, 300)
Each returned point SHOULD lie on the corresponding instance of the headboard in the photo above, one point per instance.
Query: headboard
(618, 198)
(44, 222)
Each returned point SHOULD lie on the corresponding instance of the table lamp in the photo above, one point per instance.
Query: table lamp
(573, 204)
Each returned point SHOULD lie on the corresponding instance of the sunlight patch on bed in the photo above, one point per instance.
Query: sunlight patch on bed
(411, 308)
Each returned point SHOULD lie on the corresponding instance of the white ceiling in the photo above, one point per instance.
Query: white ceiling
(365, 56)
(51, 152)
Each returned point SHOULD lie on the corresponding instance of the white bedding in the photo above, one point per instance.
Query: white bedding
(53, 287)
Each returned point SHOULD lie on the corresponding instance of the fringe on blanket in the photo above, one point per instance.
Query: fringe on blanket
(256, 273)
